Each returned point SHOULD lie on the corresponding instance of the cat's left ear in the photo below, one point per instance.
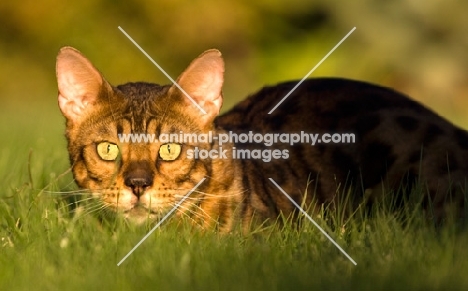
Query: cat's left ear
(203, 82)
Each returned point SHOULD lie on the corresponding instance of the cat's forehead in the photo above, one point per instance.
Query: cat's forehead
(142, 90)
(144, 108)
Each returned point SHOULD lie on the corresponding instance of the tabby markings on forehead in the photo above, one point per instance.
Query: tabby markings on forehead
(140, 125)
(126, 125)
(151, 125)
(119, 128)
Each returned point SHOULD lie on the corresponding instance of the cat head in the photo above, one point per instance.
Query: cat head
(136, 177)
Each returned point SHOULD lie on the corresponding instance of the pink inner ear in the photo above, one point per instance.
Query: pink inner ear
(79, 83)
(203, 82)
(70, 106)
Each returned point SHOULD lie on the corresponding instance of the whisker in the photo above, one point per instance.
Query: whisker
(77, 202)
(94, 209)
(195, 217)
(68, 193)
(198, 212)
(208, 195)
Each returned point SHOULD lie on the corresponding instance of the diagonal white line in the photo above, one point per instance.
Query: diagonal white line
(313, 221)
(161, 69)
(313, 69)
(160, 222)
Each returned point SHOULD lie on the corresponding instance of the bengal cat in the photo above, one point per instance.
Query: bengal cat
(397, 142)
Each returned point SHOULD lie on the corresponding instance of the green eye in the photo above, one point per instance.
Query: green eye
(107, 151)
(169, 151)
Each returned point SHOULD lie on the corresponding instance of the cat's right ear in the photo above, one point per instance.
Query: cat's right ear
(202, 81)
(79, 84)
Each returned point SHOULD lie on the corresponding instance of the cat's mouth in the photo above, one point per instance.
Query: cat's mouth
(140, 209)
(139, 214)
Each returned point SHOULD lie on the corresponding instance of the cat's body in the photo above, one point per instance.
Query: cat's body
(397, 141)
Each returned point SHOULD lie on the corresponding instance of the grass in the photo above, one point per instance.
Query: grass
(44, 247)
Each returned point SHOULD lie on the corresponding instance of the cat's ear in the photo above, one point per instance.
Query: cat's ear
(203, 81)
(79, 84)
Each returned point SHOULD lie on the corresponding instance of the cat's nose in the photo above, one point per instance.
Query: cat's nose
(138, 184)
(138, 177)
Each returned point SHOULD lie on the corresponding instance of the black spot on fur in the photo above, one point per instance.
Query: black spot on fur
(462, 138)
(376, 160)
(362, 102)
(432, 132)
(407, 123)
(452, 163)
(290, 106)
(346, 162)
(277, 122)
(348, 108)
(447, 165)
(415, 157)
(366, 124)
(298, 161)
(321, 148)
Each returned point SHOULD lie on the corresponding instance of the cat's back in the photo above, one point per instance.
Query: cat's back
(321, 104)
(394, 138)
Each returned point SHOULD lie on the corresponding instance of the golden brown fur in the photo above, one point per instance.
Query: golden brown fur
(139, 181)
(136, 108)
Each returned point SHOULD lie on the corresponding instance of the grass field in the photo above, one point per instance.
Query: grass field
(44, 247)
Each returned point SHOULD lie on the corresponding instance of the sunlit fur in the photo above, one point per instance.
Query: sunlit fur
(400, 143)
(146, 113)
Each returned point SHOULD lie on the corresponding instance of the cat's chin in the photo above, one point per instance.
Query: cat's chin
(140, 215)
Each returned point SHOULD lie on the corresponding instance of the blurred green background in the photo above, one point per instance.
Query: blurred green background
(418, 47)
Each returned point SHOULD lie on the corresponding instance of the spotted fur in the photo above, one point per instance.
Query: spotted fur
(397, 141)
